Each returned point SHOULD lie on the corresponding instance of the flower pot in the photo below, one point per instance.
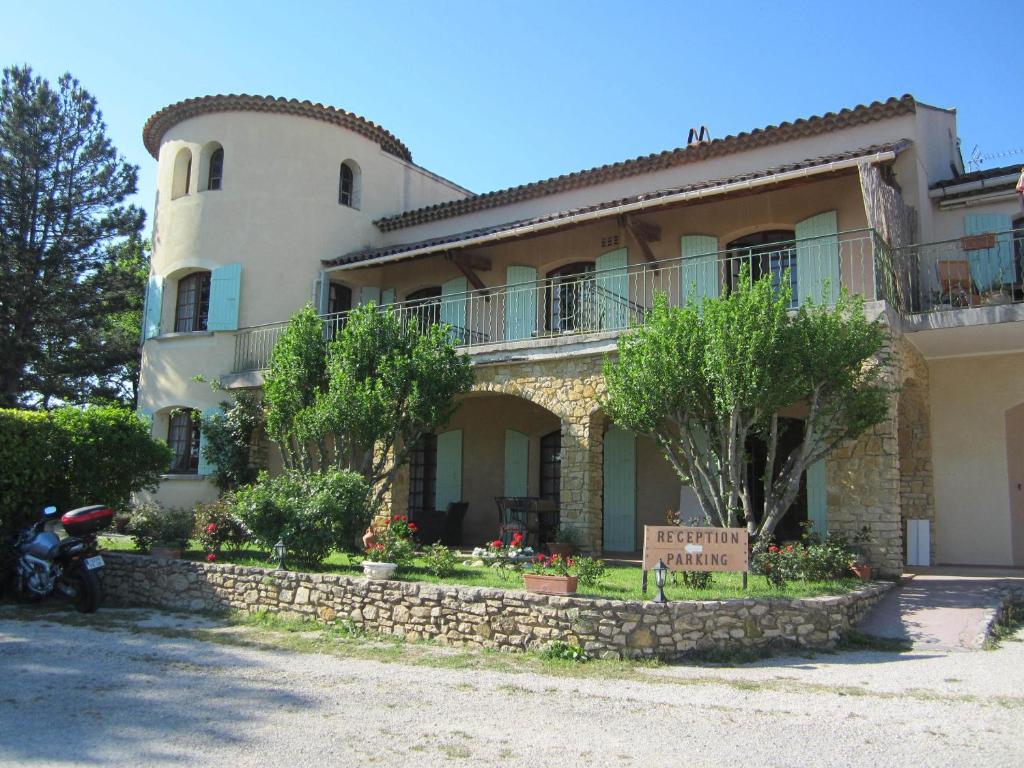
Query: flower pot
(378, 571)
(550, 585)
(166, 551)
(562, 549)
(862, 571)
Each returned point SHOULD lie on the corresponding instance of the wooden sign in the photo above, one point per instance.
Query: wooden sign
(696, 549)
(978, 242)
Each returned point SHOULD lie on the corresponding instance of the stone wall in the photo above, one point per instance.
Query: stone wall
(489, 618)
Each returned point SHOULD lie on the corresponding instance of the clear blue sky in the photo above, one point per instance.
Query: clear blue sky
(492, 94)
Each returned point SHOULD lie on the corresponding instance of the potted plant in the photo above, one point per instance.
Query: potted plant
(566, 541)
(389, 549)
(859, 562)
(506, 559)
(551, 576)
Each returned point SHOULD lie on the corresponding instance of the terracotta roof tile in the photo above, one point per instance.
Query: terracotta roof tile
(168, 117)
(760, 137)
(453, 239)
(967, 178)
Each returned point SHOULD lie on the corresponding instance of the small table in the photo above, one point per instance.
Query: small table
(535, 518)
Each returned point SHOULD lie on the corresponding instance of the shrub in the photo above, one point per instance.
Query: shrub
(71, 457)
(393, 542)
(441, 561)
(589, 571)
(559, 650)
(696, 579)
(149, 524)
(217, 524)
(312, 514)
(809, 562)
(227, 440)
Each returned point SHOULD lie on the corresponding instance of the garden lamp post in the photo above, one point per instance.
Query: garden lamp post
(279, 552)
(660, 573)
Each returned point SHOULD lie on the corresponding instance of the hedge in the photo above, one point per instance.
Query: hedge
(71, 457)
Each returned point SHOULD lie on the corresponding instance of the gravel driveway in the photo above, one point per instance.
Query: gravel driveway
(122, 689)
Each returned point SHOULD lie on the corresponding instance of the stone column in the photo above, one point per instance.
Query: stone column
(582, 480)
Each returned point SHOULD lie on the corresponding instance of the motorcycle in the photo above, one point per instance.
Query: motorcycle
(45, 564)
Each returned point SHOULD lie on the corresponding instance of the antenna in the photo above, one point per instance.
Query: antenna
(977, 158)
(698, 137)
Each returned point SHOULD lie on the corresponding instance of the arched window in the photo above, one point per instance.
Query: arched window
(215, 176)
(183, 440)
(770, 252)
(424, 307)
(348, 184)
(181, 177)
(193, 307)
(571, 298)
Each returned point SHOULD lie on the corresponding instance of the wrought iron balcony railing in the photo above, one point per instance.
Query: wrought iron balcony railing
(615, 299)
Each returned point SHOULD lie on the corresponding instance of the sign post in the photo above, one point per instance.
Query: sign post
(682, 548)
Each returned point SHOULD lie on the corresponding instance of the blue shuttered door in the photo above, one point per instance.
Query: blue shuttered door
(991, 268)
(323, 298)
(517, 463)
(817, 498)
(699, 278)
(206, 467)
(817, 261)
(449, 469)
(154, 306)
(225, 286)
(612, 286)
(453, 307)
(387, 296)
(520, 303)
(619, 490)
(368, 294)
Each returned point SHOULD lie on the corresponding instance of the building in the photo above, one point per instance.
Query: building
(264, 204)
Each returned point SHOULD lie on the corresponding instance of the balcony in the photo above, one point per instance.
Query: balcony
(970, 272)
(611, 300)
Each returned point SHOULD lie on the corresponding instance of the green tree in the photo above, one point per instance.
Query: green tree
(63, 188)
(702, 380)
(228, 443)
(362, 406)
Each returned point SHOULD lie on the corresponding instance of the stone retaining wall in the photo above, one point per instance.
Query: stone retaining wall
(507, 620)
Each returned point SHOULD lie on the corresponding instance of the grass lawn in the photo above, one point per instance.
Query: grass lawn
(621, 582)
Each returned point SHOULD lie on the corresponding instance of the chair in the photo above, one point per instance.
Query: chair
(955, 285)
(512, 517)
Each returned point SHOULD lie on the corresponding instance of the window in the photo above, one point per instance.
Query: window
(423, 475)
(183, 440)
(551, 466)
(339, 298)
(770, 252)
(424, 307)
(181, 177)
(571, 298)
(193, 305)
(348, 184)
(216, 174)
(1018, 249)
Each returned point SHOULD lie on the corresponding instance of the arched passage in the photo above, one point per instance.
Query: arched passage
(1015, 470)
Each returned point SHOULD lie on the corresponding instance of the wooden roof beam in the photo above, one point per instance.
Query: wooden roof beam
(643, 234)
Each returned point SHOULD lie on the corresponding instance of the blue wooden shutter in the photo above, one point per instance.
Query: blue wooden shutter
(225, 285)
(817, 498)
(154, 306)
(453, 307)
(520, 303)
(368, 294)
(206, 467)
(517, 463)
(387, 296)
(323, 293)
(449, 469)
(612, 285)
(619, 490)
(991, 267)
(817, 261)
(699, 274)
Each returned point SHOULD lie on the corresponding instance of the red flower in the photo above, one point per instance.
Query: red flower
(413, 527)
(396, 519)
(517, 539)
(496, 544)
(211, 528)
(211, 557)
(773, 549)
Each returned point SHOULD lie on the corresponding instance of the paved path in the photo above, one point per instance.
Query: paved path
(117, 692)
(942, 609)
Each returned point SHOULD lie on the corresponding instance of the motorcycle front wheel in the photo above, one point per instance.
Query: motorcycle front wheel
(85, 588)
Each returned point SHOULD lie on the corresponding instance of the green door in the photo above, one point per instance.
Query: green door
(520, 303)
(453, 308)
(699, 272)
(817, 259)
(449, 469)
(611, 283)
(517, 463)
(817, 498)
(991, 268)
(619, 490)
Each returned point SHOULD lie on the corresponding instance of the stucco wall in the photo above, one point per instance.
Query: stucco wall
(970, 397)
